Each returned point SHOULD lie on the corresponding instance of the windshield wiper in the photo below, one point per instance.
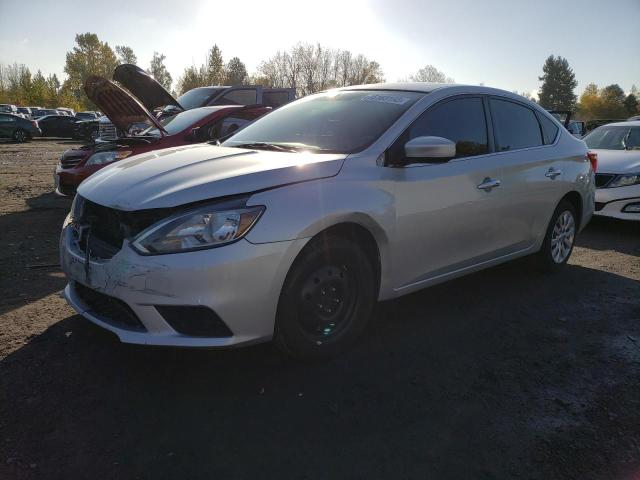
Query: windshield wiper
(268, 146)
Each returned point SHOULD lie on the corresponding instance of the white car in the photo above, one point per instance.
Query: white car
(618, 179)
(296, 226)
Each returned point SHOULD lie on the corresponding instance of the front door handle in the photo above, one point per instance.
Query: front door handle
(489, 183)
(552, 173)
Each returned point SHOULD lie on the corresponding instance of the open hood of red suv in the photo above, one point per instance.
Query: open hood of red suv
(144, 87)
(118, 104)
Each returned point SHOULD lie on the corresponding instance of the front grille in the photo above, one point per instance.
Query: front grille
(109, 227)
(107, 131)
(109, 309)
(603, 179)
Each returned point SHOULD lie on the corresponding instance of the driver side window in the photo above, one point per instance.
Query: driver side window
(461, 120)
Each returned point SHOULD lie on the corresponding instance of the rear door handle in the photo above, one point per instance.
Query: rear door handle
(489, 183)
(552, 173)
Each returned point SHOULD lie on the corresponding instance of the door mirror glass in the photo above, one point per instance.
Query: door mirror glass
(195, 135)
(426, 148)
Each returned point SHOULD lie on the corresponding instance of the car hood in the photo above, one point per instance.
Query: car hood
(176, 176)
(618, 161)
(117, 104)
(144, 87)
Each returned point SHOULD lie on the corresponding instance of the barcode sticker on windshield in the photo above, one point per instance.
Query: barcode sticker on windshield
(382, 98)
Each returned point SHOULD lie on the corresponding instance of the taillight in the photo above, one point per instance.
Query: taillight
(34, 123)
(593, 158)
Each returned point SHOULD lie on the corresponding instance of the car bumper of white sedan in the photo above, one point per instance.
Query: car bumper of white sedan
(620, 202)
(219, 297)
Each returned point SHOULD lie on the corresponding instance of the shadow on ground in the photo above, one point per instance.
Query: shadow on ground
(503, 374)
(29, 251)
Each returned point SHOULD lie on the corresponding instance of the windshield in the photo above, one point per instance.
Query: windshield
(84, 116)
(198, 97)
(614, 138)
(179, 122)
(341, 122)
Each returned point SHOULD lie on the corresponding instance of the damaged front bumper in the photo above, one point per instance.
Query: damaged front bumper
(129, 294)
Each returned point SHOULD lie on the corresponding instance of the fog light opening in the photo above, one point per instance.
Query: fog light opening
(632, 208)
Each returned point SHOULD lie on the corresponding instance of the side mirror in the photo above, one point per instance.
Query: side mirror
(430, 147)
(195, 134)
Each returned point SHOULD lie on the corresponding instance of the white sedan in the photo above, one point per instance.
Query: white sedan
(618, 177)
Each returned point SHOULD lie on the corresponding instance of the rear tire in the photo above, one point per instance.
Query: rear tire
(20, 135)
(559, 238)
(326, 301)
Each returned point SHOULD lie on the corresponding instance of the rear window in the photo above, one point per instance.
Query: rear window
(516, 126)
(614, 138)
(549, 129)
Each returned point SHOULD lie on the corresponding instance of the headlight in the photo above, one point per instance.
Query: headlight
(101, 158)
(625, 180)
(201, 228)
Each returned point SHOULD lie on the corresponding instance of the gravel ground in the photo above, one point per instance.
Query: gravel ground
(506, 373)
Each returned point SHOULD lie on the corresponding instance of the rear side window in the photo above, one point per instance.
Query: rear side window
(461, 120)
(549, 129)
(238, 97)
(275, 99)
(515, 126)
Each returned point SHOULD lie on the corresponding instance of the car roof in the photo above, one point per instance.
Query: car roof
(426, 87)
(628, 123)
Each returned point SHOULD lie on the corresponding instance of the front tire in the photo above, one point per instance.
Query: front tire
(326, 301)
(559, 238)
(20, 136)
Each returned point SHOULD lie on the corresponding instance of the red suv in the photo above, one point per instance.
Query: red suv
(190, 126)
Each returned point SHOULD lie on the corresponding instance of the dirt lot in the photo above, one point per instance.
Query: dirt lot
(504, 374)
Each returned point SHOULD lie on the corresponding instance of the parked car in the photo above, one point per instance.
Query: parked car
(8, 108)
(87, 116)
(633, 119)
(17, 128)
(155, 98)
(86, 130)
(191, 126)
(43, 112)
(297, 224)
(26, 111)
(618, 177)
(57, 126)
(66, 111)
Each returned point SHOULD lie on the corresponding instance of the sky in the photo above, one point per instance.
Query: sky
(502, 44)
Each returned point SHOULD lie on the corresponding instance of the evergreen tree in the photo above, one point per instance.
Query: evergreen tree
(558, 83)
(159, 70)
(89, 57)
(126, 55)
(236, 72)
(214, 68)
(631, 104)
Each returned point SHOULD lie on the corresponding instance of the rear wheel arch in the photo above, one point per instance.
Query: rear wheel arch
(575, 199)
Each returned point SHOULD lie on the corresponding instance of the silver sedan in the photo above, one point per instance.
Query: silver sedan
(294, 227)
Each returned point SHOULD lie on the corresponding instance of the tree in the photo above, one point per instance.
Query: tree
(235, 72)
(214, 68)
(191, 78)
(311, 68)
(631, 104)
(431, 74)
(612, 102)
(126, 55)
(159, 70)
(89, 57)
(558, 83)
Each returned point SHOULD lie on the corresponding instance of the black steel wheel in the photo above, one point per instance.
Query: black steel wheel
(327, 299)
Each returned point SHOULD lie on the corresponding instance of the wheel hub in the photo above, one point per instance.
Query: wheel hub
(562, 237)
(325, 300)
